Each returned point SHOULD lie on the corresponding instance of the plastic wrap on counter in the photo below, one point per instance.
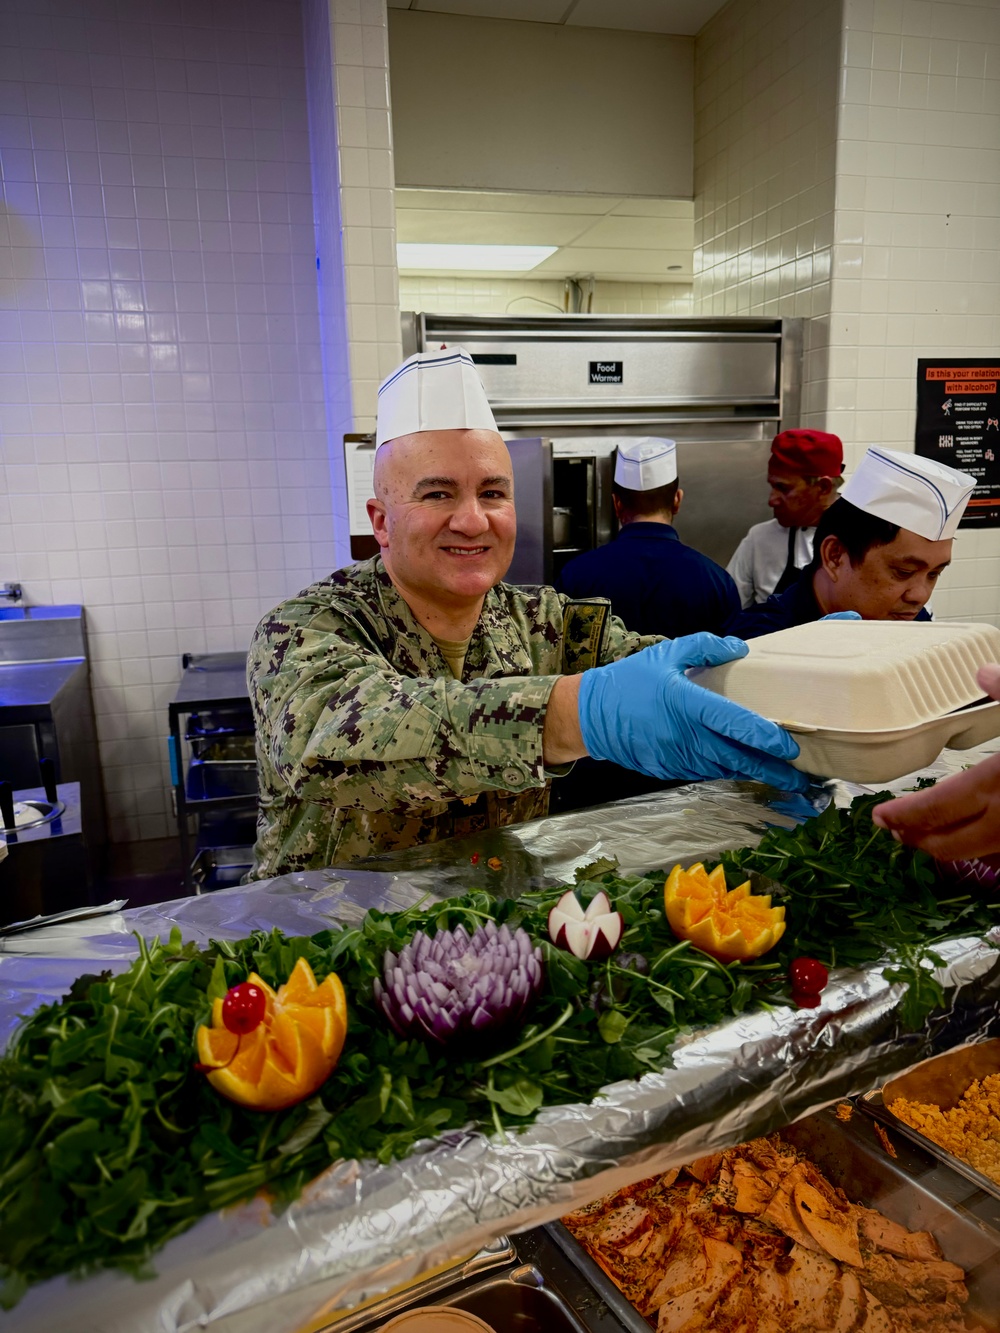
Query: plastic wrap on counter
(361, 1228)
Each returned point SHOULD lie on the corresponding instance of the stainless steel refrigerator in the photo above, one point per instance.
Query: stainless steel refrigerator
(566, 389)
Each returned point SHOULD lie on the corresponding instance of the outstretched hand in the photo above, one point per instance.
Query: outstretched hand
(958, 817)
(644, 713)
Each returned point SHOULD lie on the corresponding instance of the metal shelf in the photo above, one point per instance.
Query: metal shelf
(218, 784)
(213, 685)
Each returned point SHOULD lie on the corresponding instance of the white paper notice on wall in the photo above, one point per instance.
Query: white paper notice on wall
(359, 457)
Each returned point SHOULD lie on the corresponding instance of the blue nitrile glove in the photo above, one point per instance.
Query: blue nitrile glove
(642, 712)
(841, 615)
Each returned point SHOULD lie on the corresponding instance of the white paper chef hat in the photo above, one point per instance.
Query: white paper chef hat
(913, 492)
(432, 391)
(646, 463)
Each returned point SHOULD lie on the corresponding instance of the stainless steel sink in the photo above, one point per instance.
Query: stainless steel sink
(42, 633)
(61, 612)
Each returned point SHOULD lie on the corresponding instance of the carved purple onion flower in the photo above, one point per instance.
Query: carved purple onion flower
(452, 984)
(970, 874)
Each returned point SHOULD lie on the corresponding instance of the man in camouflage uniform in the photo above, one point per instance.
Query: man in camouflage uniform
(415, 695)
(375, 745)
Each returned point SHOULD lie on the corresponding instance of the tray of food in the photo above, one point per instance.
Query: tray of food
(812, 1228)
(303, 1093)
(950, 1105)
(868, 700)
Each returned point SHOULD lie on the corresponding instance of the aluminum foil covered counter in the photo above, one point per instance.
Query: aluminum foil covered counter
(361, 1228)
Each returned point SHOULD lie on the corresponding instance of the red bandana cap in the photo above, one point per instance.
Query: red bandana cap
(808, 453)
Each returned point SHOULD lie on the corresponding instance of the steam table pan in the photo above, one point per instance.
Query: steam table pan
(912, 1189)
(868, 700)
(939, 1081)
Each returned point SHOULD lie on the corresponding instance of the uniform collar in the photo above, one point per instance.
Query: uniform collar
(408, 635)
(639, 530)
(491, 637)
(800, 599)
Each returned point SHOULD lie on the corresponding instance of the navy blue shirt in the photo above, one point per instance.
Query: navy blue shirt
(797, 605)
(655, 583)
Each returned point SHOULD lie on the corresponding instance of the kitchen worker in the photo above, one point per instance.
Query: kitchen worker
(803, 473)
(958, 817)
(880, 548)
(656, 584)
(415, 696)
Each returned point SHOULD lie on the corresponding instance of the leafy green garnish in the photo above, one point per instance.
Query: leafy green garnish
(595, 869)
(854, 896)
(111, 1141)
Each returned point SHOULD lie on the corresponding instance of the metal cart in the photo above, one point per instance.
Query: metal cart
(213, 769)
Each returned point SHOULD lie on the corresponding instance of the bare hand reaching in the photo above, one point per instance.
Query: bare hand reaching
(958, 817)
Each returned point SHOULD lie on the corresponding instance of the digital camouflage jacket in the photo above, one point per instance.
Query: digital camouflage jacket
(365, 741)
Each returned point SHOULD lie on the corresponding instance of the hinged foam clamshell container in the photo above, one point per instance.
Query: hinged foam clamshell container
(867, 700)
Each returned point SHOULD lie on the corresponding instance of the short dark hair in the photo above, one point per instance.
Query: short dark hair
(855, 529)
(657, 500)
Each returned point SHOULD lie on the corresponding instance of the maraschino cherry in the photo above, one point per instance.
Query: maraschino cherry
(808, 977)
(243, 1008)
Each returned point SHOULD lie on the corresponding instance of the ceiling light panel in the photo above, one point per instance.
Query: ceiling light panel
(448, 227)
(424, 257)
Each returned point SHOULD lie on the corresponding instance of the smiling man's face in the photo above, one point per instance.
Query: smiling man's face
(444, 515)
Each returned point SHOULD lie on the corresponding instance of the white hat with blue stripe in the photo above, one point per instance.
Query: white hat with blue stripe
(432, 391)
(915, 493)
(644, 464)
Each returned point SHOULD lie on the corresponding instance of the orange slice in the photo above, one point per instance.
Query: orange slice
(729, 924)
(290, 1054)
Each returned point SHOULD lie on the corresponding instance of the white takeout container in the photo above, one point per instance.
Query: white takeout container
(867, 700)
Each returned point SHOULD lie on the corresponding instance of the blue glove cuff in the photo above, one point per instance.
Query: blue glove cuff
(594, 716)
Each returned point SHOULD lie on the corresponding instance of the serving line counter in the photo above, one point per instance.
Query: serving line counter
(362, 1228)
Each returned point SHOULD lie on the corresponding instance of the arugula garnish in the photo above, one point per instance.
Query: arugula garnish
(111, 1141)
(854, 896)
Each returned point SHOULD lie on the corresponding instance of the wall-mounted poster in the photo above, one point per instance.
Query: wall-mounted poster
(958, 423)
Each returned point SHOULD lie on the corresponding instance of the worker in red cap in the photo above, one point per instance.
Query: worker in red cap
(804, 474)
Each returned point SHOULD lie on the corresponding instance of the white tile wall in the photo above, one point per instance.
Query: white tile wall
(498, 296)
(319, 55)
(765, 131)
(163, 434)
(765, 128)
(359, 30)
(869, 204)
(916, 266)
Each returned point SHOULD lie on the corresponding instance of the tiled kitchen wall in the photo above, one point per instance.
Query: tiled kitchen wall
(896, 255)
(765, 137)
(163, 455)
(321, 99)
(521, 296)
(347, 85)
(765, 129)
(361, 44)
(916, 269)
